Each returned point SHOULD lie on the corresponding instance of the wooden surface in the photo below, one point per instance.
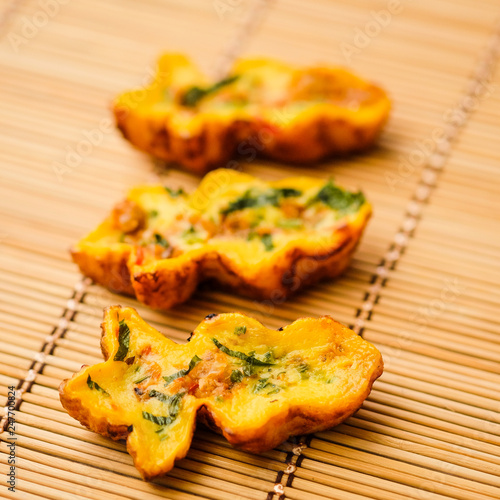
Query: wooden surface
(423, 285)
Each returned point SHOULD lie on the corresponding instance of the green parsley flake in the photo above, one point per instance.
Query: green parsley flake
(123, 341)
(174, 408)
(160, 240)
(195, 93)
(156, 419)
(267, 240)
(264, 385)
(248, 358)
(240, 330)
(237, 376)
(290, 223)
(339, 199)
(174, 402)
(94, 385)
(175, 193)
(269, 357)
(184, 372)
(251, 199)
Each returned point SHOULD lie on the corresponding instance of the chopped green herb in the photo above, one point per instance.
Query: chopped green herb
(219, 399)
(159, 395)
(249, 358)
(236, 376)
(191, 240)
(153, 213)
(256, 221)
(121, 239)
(175, 193)
(267, 240)
(158, 420)
(248, 370)
(160, 240)
(264, 385)
(245, 201)
(174, 403)
(94, 385)
(287, 192)
(123, 341)
(240, 330)
(261, 384)
(142, 379)
(184, 372)
(195, 94)
(339, 199)
(190, 236)
(269, 357)
(290, 223)
(303, 369)
(331, 380)
(262, 199)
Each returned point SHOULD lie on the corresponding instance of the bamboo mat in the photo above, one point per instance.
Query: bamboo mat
(423, 285)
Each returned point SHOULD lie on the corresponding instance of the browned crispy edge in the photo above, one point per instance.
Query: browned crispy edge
(212, 147)
(215, 145)
(75, 408)
(164, 289)
(110, 270)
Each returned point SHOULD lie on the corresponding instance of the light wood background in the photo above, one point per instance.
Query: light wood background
(423, 285)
